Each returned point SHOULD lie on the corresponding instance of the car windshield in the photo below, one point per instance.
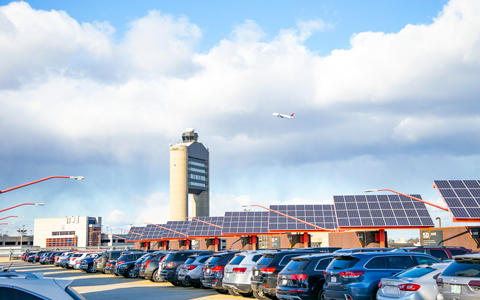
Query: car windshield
(343, 262)
(463, 268)
(265, 260)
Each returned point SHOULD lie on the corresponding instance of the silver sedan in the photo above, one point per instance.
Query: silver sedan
(417, 283)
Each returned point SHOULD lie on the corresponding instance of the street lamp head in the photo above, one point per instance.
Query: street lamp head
(21, 216)
(77, 177)
(372, 190)
(246, 205)
(11, 223)
(40, 204)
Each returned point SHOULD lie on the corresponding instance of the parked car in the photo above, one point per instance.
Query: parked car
(44, 258)
(101, 262)
(213, 271)
(356, 276)
(125, 263)
(265, 271)
(191, 272)
(238, 272)
(419, 283)
(21, 285)
(61, 257)
(138, 264)
(37, 257)
(303, 277)
(173, 260)
(442, 252)
(151, 267)
(86, 264)
(76, 259)
(461, 279)
(30, 257)
(110, 267)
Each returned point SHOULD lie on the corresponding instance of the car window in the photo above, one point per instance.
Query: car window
(114, 255)
(204, 259)
(25, 296)
(295, 265)
(286, 259)
(457, 252)
(237, 259)
(189, 260)
(400, 262)
(376, 263)
(256, 257)
(415, 272)
(420, 251)
(6, 293)
(439, 253)
(421, 260)
(343, 262)
(323, 264)
(214, 259)
(264, 260)
(463, 268)
(181, 256)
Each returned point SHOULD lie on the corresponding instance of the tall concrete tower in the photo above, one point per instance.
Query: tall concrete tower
(189, 172)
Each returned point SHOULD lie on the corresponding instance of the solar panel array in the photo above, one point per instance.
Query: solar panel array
(202, 229)
(179, 227)
(131, 237)
(245, 222)
(379, 211)
(153, 232)
(319, 215)
(461, 196)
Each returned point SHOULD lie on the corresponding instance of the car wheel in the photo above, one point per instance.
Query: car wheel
(175, 283)
(233, 292)
(196, 285)
(259, 295)
(91, 269)
(155, 276)
(246, 295)
(321, 295)
(221, 291)
(130, 273)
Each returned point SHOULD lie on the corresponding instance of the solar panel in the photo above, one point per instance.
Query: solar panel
(319, 215)
(181, 228)
(202, 229)
(245, 222)
(132, 237)
(153, 232)
(381, 211)
(461, 196)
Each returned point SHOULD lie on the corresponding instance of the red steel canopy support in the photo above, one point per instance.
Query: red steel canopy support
(408, 196)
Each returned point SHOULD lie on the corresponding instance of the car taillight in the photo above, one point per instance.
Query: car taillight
(351, 274)
(37, 256)
(239, 270)
(298, 277)
(190, 267)
(146, 264)
(170, 265)
(109, 264)
(162, 258)
(120, 262)
(77, 262)
(68, 259)
(474, 283)
(74, 258)
(267, 270)
(409, 287)
(440, 282)
(217, 269)
(379, 284)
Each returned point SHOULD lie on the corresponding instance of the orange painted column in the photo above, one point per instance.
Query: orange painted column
(305, 240)
(216, 242)
(381, 234)
(254, 242)
(187, 244)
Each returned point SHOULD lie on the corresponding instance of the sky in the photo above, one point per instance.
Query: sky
(384, 95)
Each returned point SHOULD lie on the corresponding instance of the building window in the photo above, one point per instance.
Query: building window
(197, 184)
(63, 232)
(61, 242)
(197, 170)
(263, 242)
(198, 164)
(197, 177)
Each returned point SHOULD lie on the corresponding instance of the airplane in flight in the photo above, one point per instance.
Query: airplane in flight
(283, 116)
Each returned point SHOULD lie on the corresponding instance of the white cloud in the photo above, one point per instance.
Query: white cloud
(116, 217)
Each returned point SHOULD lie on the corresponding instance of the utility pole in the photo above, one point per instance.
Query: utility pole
(21, 232)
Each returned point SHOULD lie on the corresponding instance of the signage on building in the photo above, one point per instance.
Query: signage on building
(275, 242)
(432, 237)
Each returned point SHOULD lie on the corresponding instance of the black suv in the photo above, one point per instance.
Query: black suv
(151, 266)
(172, 261)
(443, 253)
(126, 262)
(213, 270)
(265, 271)
(303, 278)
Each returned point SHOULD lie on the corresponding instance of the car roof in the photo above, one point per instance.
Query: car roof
(313, 255)
(467, 256)
(382, 253)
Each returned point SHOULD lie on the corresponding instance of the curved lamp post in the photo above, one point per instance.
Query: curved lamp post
(40, 180)
(12, 217)
(39, 204)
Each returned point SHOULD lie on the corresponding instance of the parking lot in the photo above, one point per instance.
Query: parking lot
(102, 287)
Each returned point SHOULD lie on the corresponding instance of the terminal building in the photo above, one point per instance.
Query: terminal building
(189, 175)
(67, 232)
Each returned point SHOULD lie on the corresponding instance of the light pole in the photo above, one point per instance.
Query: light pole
(40, 180)
(12, 217)
(439, 221)
(39, 204)
(21, 232)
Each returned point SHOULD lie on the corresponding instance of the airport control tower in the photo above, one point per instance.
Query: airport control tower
(189, 162)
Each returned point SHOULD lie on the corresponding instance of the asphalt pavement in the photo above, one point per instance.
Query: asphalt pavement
(106, 287)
